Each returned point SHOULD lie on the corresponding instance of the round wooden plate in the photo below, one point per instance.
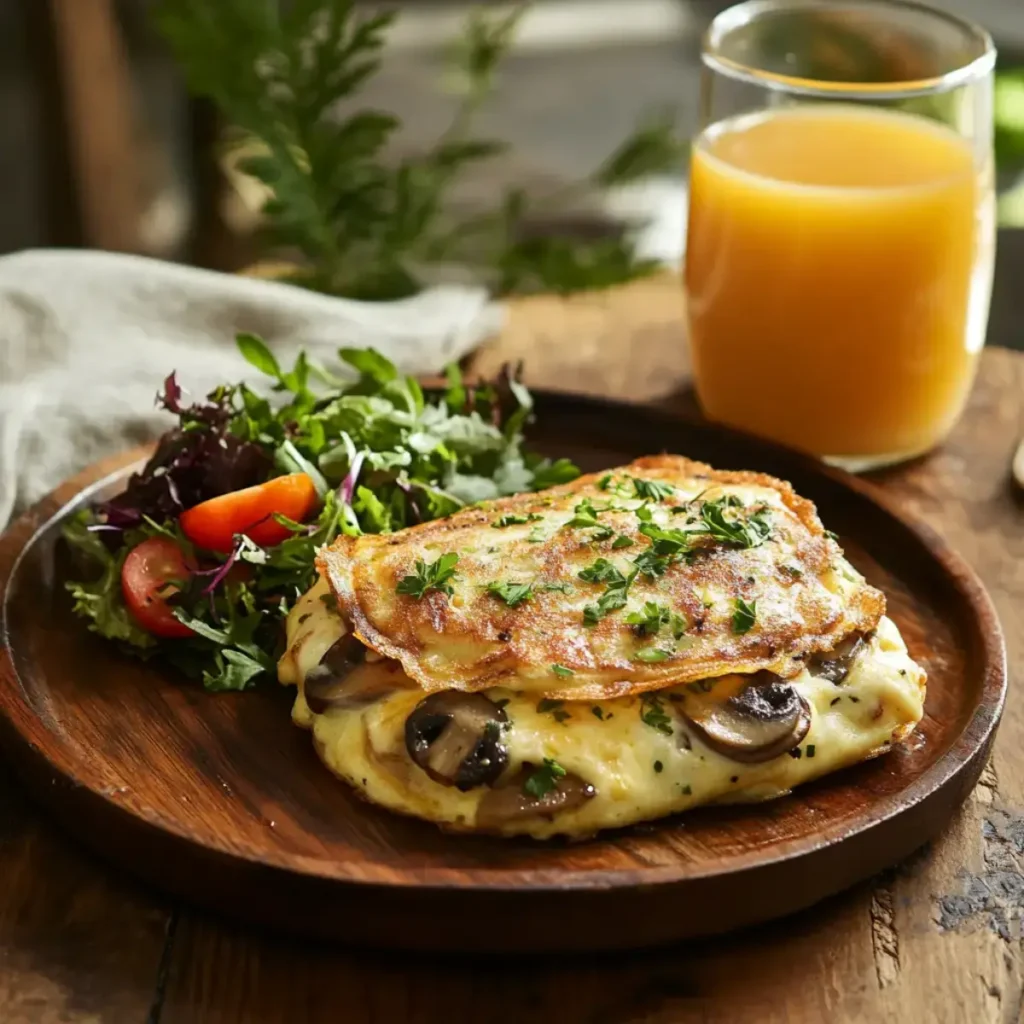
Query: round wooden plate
(219, 799)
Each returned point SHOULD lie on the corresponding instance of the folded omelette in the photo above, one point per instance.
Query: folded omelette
(629, 645)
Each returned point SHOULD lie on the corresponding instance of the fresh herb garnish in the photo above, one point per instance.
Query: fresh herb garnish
(544, 779)
(743, 615)
(650, 564)
(555, 708)
(650, 620)
(832, 535)
(599, 713)
(653, 714)
(614, 597)
(602, 571)
(653, 654)
(604, 482)
(561, 670)
(289, 76)
(622, 541)
(428, 576)
(512, 519)
(652, 489)
(748, 532)
(666, 541)
(513, 594)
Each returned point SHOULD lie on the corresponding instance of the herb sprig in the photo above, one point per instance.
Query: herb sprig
(366, 226)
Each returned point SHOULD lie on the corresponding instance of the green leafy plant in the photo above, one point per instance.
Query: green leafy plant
(364, 226)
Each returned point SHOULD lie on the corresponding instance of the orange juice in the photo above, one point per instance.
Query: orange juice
(839, 264)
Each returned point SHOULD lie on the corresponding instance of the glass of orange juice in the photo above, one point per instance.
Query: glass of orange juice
(841, 232)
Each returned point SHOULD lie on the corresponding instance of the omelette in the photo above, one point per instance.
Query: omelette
(624, 647)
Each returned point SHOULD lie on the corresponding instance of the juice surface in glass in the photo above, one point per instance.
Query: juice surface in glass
(839, 263)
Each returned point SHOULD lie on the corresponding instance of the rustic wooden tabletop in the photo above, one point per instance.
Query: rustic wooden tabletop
(937, 940)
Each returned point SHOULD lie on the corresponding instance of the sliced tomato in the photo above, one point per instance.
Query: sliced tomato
(145, 582)
(213, 524)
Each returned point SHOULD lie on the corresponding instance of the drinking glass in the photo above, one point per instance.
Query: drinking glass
(841, 231)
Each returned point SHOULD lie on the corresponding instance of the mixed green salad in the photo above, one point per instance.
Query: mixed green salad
(202, 554)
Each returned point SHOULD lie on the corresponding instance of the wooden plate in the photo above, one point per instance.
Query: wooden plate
(219, 799)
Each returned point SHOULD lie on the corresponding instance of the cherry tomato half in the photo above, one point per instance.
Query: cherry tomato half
(145, 575)
(213, 524)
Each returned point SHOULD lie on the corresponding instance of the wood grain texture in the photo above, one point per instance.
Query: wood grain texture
(925, 943)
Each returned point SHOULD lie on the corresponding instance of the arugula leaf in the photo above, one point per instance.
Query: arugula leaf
(430, 576)
(513, 594)
(743, 615)
(255, 351)
(544, 779)
(550, 474)
(622, 541)
(561, 670)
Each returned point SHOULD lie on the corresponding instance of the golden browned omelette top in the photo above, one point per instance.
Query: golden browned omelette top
(660, 572)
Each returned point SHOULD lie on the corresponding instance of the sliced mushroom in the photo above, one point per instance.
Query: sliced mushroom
(835, 665)
(343, 679)
(456, 738)
(763, 719)
(511, 802)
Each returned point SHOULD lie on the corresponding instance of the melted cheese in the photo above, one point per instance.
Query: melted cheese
(807, 596)
(878, 703)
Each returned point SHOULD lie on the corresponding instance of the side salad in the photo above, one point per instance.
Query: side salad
(200, 557)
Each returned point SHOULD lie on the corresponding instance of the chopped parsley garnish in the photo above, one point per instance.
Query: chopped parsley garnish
(743, 615)
(653, 714)
(658, 767)
(561, 670)
(513, 594)
(430, 576)
(650, 564)
(744, 533)
(643, 513)
(652, 654)
(652, 617)
(666, 542)
(611, 600)
(651, 489)
(622, 541)
(544, 779)
(556, 709)
(832, 535)
(602, 571)
(562, 588)
(792, 571)
(511, 519)
(536, 535)
(599, 713)
(604, 481)
(601, 533)
(586, 514)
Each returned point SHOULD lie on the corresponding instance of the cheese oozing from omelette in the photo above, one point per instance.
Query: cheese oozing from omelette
(576, 767)
(546, 586)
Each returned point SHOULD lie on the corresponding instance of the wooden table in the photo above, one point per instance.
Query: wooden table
(937, 940)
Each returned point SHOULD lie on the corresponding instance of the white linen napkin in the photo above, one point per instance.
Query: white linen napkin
(86, 339)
